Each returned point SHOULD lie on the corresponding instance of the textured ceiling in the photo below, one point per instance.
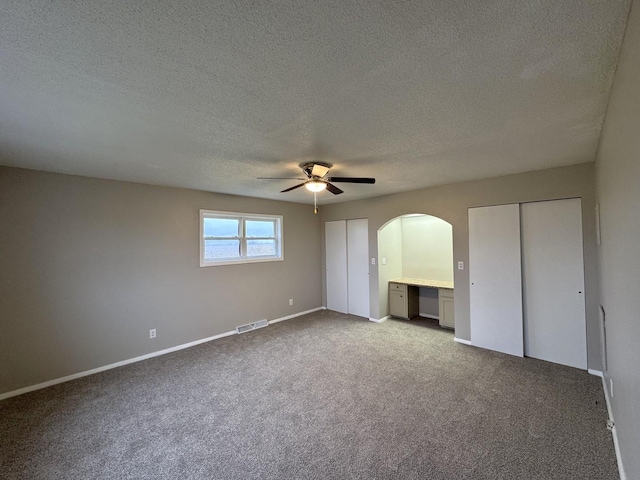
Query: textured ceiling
(211, 95)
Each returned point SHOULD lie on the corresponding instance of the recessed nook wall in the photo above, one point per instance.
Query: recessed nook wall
(415, 246)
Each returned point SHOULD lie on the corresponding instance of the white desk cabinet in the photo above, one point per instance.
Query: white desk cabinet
(445, 307)
(403, 300)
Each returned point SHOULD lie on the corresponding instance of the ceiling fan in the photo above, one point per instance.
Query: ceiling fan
(317, 180)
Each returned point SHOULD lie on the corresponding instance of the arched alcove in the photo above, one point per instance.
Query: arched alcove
(415, 245)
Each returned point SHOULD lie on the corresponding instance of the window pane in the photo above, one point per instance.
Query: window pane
(221, 227)
(219, 249)
(261, 248)
(260, 228)
(232, 237)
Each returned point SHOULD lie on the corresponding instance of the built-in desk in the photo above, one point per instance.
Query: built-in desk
(403, 298)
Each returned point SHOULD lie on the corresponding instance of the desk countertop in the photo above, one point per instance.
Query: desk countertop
(423, 282)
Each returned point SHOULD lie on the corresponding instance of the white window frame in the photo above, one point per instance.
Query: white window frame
(242, 218)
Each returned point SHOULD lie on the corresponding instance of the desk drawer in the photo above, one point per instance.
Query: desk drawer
(397, 287)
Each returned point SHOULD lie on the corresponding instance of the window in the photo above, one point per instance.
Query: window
(227, 237)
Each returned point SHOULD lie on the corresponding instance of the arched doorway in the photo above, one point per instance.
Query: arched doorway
(416, 247)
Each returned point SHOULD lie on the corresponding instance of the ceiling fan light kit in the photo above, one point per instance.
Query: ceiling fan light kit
(315, 186)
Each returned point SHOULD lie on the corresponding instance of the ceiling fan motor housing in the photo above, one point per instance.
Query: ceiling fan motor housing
(315, 169)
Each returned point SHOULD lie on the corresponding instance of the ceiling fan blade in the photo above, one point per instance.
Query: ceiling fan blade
(319, 170)
(351, 179)
(280, 178)
(333, 189)
(293, 188)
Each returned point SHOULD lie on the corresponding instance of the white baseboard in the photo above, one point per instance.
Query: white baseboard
(462, 340)
(299, 314)
(379, 320)
(31, 388)
(597, 373)
(614, 431)
(428, 315)
(616, 446)
(607, 398)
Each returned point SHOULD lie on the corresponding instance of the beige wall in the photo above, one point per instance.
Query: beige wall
(427, 252)
(618, 193)
(450, 203)
(389, 247)
(427, 248)
(88, 266)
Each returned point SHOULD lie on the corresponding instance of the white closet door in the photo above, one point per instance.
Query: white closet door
(553, 275)
(336, 263)
(496, 279)
(358, 266)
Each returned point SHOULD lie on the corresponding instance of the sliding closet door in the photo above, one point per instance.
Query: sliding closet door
(358, 266)
(496, 278)
(553, 276)
(336, 263)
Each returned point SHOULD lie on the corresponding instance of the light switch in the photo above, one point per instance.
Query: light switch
(384, 260)
(460, 265)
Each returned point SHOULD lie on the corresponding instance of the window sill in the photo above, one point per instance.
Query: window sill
(240, 261)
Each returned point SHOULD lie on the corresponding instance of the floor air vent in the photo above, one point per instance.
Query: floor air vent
(252, 326)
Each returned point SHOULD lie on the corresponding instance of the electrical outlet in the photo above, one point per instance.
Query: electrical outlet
(152, 333)
(460, 265)
(384, 260)
(291, 301)
(373, 260)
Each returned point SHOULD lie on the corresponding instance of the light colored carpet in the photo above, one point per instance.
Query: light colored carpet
(324, 396)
